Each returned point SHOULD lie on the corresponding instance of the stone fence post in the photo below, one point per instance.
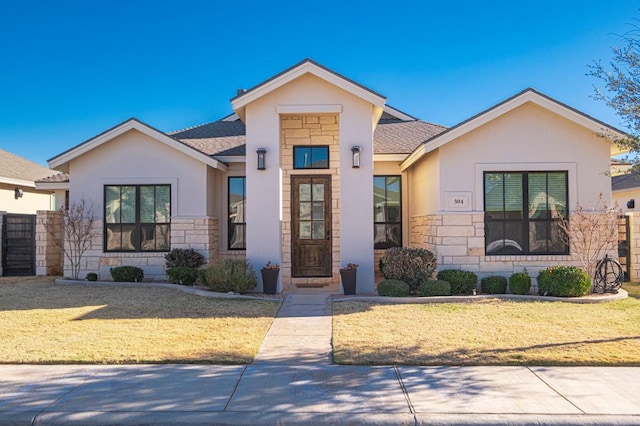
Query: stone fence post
(49, 254)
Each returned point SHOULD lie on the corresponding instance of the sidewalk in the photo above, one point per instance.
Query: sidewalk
(293, 382)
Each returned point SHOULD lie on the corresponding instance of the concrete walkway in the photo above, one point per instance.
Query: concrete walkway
(301, 332)
(293, 382)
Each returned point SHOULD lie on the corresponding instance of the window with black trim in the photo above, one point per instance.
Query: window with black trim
(523, 211)
(387, 212)
(137, 218)
(310, 157)
(236, 230)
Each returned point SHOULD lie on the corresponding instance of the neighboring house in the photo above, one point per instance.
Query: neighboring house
(626, 191)
(18, 193)
(313, 171)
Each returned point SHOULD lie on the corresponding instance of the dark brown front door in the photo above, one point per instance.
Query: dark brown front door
(311, 221)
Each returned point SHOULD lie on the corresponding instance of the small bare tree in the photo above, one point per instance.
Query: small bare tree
(75, 239)
(591, 232)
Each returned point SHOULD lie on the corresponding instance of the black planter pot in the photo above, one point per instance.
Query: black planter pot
(349, 280)
(270, 280)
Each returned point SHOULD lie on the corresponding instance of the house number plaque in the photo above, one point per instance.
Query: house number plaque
(457, 201)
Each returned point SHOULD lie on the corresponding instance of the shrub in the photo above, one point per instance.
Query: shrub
(127, 274)
(393, 288)
(520, 283)
(494, 284)
(411, 265)
(462, 282)
(434, 288)
(182, 275)
(92, 276)
(563, 281)
(229, 275)
(184, 257)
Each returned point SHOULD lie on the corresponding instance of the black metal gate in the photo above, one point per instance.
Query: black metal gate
(624, 245)
(18, 245)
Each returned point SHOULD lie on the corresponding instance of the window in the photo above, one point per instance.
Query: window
(237, 222)
(137, 217)
(523, 212)
(387, 212)
(310, 157)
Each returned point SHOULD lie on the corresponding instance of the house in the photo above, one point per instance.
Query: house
(18, 193)
(20, 200)
(313, 171)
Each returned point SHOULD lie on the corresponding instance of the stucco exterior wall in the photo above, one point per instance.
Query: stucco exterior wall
(30, 202)
(136, 159)
(620, 198)
(310, 95)
(424, 189)
(527, 138)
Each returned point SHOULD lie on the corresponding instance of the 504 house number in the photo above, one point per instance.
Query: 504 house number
(458, 200)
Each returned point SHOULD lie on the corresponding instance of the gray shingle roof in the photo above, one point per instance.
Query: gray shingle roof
(222, 138)
(625, 181)
(15, 167)
(393, 136)
(219, 138)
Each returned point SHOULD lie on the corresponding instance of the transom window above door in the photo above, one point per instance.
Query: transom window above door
(311, 157)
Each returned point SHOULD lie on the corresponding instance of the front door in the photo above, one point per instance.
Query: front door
(311, 221)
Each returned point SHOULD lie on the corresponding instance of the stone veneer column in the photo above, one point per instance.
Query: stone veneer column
(297, 130)
(634, 246)
(49, 253)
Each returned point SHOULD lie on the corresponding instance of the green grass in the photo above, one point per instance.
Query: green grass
(489, 332)
(41, 322)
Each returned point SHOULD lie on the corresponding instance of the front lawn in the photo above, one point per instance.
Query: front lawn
(490, 332)
(41, 322)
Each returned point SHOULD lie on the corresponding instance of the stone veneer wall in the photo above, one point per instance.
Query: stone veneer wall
(457, 240)
(634, 246)
(299, 130)
(198, 233)
(49, 253)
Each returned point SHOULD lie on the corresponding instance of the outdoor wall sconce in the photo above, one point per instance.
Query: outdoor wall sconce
(631, 204)
(261, 158)
(355, 154)
(18, 193)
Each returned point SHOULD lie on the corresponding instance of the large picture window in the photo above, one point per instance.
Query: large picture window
(387, 211)
(137, 217)
(237, 222)
(523, 212)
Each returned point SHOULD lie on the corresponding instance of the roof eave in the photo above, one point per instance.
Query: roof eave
(52, 186)
(19, 182)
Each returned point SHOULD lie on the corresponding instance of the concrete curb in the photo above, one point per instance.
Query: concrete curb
(90, 418)
(593, 298)
(186, 289)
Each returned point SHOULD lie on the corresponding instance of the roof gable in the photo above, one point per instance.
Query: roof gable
(527, 96)
(307, 66)
(61, 161)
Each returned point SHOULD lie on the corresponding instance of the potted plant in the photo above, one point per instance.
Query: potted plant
(270, 278)
(348, 277)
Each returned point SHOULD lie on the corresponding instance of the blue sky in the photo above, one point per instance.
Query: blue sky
(71, 69)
